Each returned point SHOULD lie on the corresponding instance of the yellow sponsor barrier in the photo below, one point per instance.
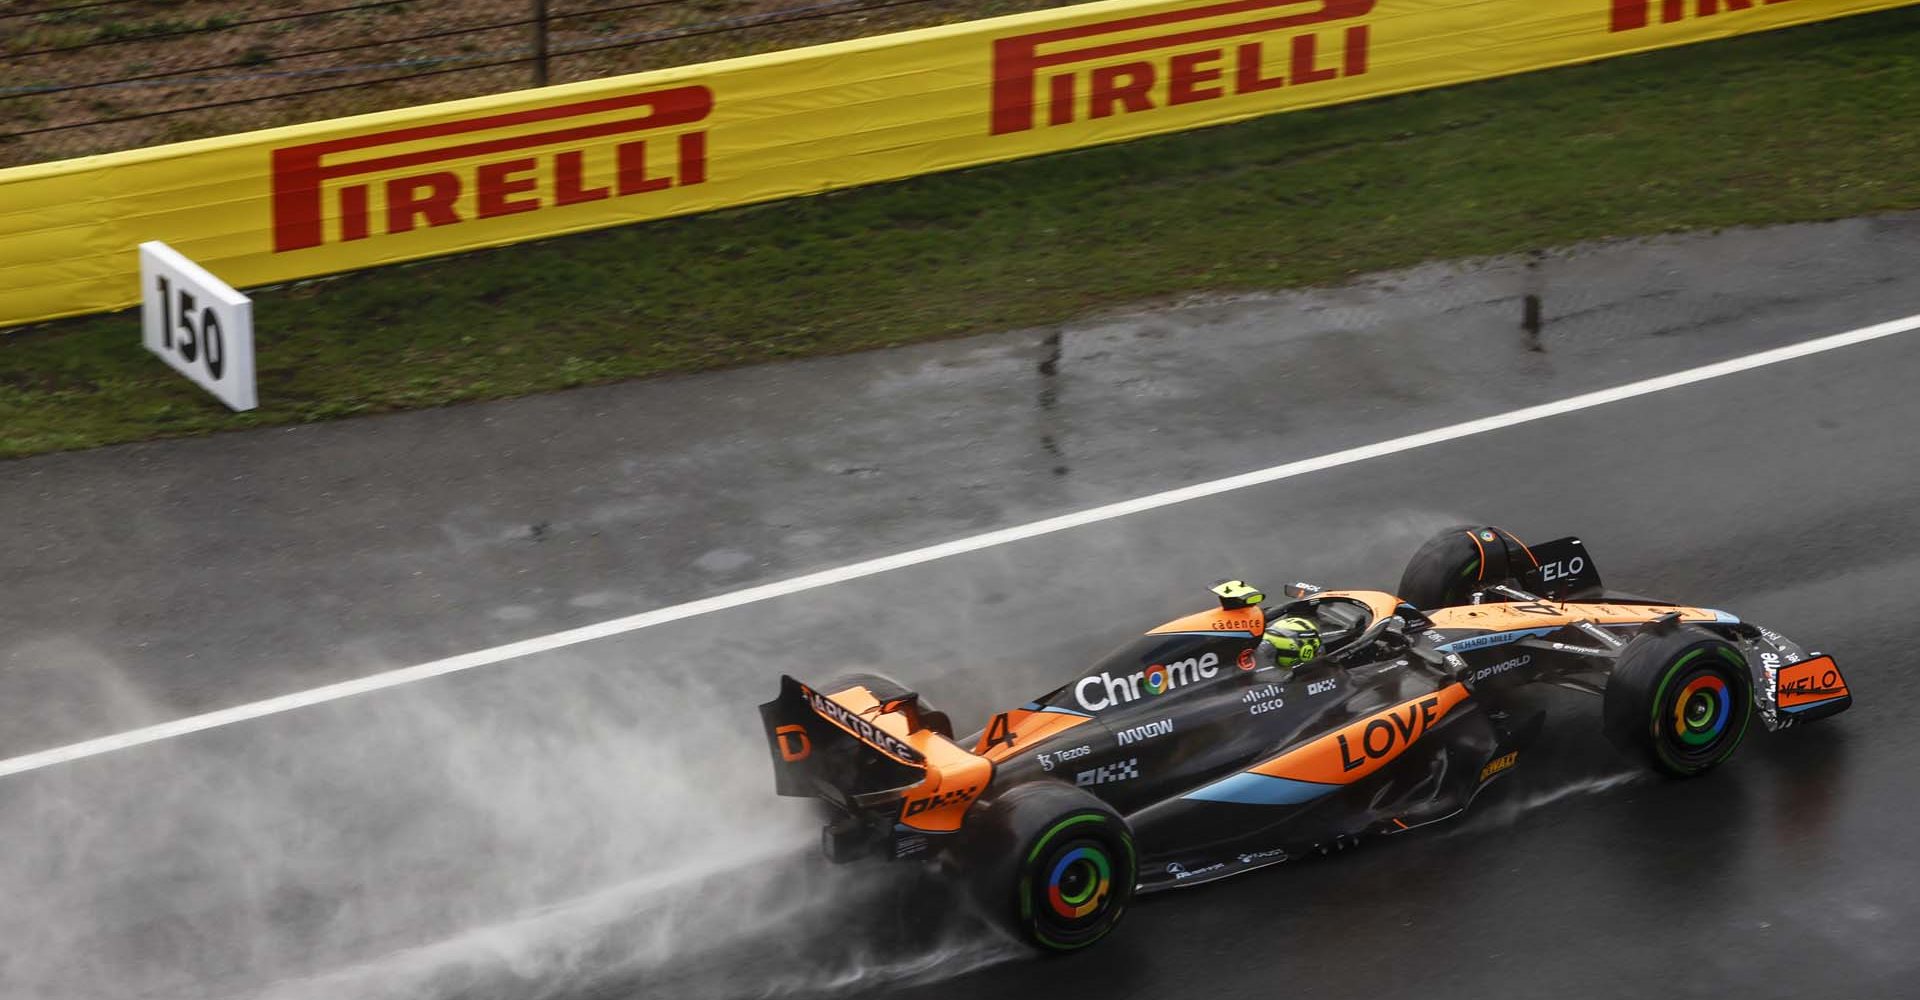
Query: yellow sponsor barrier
(285, 203)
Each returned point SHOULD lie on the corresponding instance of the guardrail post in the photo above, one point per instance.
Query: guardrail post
(539, 43)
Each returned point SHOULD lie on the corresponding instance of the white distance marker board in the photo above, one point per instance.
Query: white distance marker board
(198, 324)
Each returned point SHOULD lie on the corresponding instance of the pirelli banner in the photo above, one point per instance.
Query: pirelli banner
(305, 200)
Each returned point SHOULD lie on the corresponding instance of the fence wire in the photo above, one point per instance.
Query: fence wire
(82, 78)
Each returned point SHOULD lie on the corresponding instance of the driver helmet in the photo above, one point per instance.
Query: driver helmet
(1293, 640)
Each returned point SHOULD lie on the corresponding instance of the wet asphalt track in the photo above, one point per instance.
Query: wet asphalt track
(593, 822)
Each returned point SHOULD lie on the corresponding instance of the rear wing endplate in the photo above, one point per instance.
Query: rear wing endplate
(1561, 570)
(823, 748)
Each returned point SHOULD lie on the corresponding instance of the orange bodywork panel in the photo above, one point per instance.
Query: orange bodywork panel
(1504, 616)
(955, 778)
(1011, 732)
(1249, 620)
(1362, 747)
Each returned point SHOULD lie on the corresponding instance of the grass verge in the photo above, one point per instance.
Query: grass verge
(1810, 123)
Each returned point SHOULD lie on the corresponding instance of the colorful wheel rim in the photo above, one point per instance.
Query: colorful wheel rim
(1080, 882)
(1701, 710)
(1075, 886)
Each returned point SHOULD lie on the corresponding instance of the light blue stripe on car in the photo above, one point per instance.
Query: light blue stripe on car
(1251, 789)
(1486, 639)
(1813, 704)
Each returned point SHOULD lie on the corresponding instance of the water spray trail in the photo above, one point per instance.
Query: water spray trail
(449, 841)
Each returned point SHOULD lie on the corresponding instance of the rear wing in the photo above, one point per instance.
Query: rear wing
(824, 748)
(868, 757)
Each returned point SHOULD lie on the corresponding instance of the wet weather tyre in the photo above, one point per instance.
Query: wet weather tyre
(1446, 571)
(1680, 700)
(1051, 864)
(886, 688)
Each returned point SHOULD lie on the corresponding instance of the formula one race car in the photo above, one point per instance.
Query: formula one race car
(1188, 756)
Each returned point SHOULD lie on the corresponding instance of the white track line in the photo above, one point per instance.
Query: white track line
(914, 557)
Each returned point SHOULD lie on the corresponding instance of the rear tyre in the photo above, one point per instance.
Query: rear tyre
(1050, 864)
(1679, 700)
(1453, 564)
(886, 688)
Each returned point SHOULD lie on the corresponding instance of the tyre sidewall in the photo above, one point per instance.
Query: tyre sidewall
(1454, 563)
(1030, 834)
(1644, 699)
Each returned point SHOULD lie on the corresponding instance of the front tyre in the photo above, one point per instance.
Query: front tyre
(1679, 700)
(1052, 865)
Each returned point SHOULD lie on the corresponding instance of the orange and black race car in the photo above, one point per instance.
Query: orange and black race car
(1188, 756)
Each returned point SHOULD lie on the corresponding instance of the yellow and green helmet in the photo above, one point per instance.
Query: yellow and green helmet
(1294, 641)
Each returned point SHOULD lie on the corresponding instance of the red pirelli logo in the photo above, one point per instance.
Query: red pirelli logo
(1631, 14)
(1195, 54)
(551, 143)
